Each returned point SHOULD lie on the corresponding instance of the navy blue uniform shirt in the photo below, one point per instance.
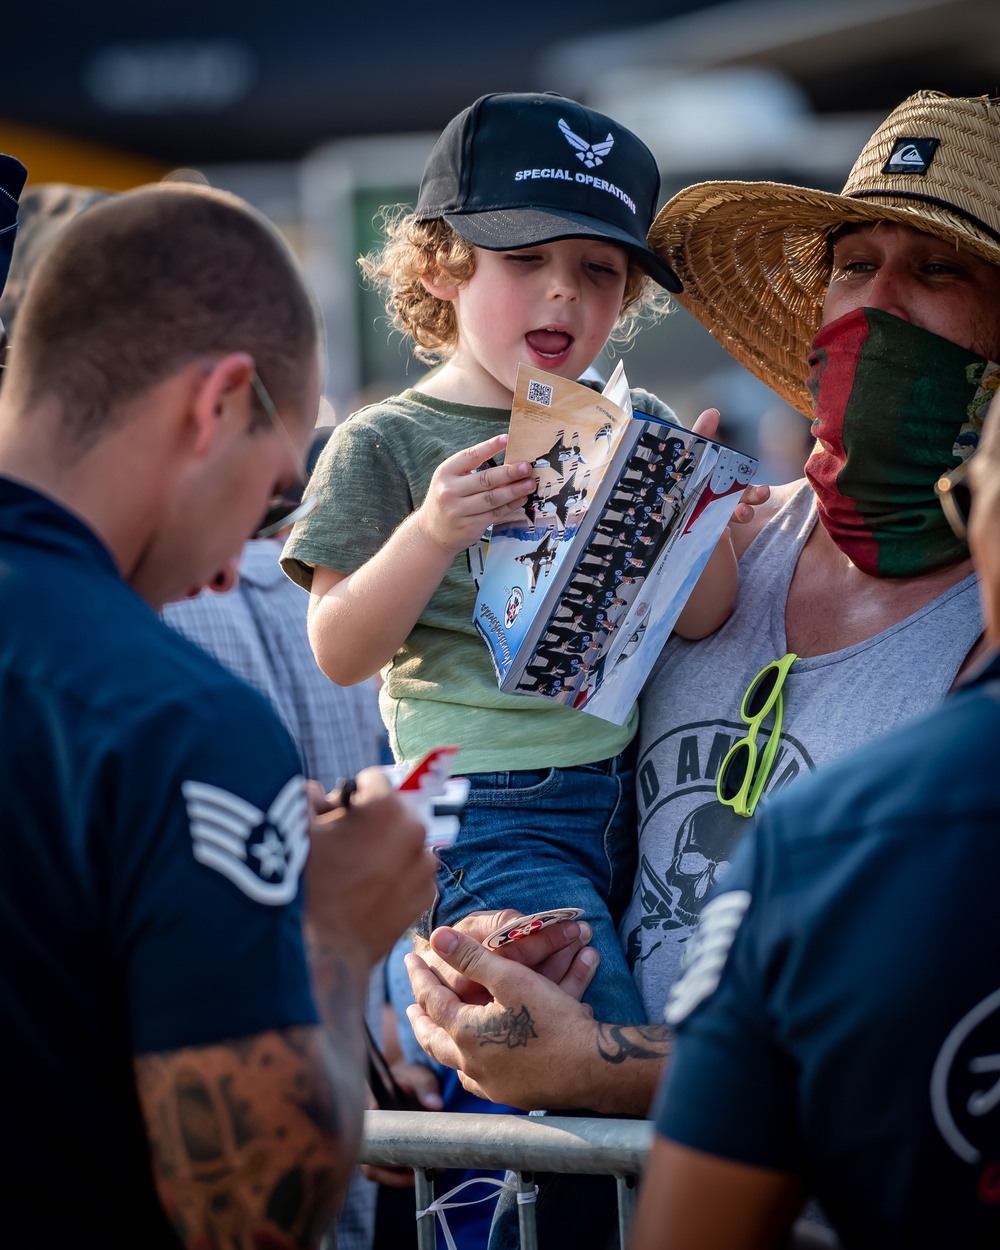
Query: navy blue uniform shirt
(839, 1015)
(153, 829)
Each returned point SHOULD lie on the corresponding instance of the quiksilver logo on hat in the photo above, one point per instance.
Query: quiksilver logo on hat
(911, 156)
(591, 154)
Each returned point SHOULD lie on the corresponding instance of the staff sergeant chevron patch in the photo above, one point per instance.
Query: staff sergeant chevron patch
(263, 853)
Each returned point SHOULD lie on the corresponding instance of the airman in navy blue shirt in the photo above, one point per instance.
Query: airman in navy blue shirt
(176, 1071)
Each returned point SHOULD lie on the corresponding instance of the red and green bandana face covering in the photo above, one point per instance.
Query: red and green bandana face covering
(895, 407)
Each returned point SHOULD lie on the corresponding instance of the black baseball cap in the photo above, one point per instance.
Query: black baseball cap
(520, 168)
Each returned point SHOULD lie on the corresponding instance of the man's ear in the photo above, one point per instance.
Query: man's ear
(224, 392)
(439, 286)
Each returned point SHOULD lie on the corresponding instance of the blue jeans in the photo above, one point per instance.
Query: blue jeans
(559, 837)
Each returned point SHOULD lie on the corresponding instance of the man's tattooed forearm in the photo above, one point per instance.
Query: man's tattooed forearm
(250, 1142)
(618, 1042)
(314, 1098)
(507, 1028)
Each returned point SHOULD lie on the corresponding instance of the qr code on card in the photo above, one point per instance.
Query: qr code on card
(539, 393)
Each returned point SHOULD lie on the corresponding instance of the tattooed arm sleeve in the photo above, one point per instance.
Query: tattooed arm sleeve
(252, 1141)
(630, 1061)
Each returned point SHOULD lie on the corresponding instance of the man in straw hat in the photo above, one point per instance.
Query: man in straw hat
(876, 312)
(844, 628)
(829, 1038)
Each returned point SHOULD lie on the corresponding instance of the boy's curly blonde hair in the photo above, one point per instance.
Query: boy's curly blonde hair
(420, 249)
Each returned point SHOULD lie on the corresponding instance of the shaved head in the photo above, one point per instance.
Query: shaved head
(140, 286)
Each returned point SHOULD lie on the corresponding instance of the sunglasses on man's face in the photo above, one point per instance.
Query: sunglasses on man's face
(955, 498)
(282, 512)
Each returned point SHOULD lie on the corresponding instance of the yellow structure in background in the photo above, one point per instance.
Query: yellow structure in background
(57, 158)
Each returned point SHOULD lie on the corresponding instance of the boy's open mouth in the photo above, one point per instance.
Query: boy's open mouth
(548, 342)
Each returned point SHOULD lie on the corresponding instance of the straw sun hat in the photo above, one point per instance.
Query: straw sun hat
(753, 256)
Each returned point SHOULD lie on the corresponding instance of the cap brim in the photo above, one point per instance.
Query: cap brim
(754, 264)
(511, 228)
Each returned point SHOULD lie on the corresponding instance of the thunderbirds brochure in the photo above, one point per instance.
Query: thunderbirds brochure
(577, 598)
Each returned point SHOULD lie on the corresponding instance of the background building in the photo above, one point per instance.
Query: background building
(320, 114)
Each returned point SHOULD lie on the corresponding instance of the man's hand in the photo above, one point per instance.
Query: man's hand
(369, 875)
(532, 1045)
(550, 951)
(519, 1047)
(463, 499)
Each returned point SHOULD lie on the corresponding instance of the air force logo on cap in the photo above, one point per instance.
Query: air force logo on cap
(911, 156)
(590, 153)
(263, 853)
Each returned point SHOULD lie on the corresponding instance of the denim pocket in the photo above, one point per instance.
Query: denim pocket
(511, 789)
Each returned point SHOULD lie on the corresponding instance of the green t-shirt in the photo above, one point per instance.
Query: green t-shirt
(440, 686)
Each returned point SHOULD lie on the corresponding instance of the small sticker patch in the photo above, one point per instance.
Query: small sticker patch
(515, 602)
(262, 853)
(911, 156)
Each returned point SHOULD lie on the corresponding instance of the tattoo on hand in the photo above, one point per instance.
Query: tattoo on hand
(618, 1042)
(510, 1028)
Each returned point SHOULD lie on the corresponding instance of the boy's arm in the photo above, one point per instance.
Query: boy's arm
(714, 595)
(358, 621)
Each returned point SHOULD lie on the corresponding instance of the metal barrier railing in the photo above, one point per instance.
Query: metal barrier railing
(520, 1144)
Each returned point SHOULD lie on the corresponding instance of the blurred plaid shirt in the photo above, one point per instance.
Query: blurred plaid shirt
(258, 631)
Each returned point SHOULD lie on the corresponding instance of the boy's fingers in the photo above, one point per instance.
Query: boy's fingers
(492, 506)
(498, 477)
(744, 510)
(707, 423)
(470, 458)
(497, 490)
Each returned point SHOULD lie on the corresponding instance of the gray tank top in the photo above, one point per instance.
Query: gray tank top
(690, 717)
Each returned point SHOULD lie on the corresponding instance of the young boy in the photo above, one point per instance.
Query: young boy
(527, 244)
